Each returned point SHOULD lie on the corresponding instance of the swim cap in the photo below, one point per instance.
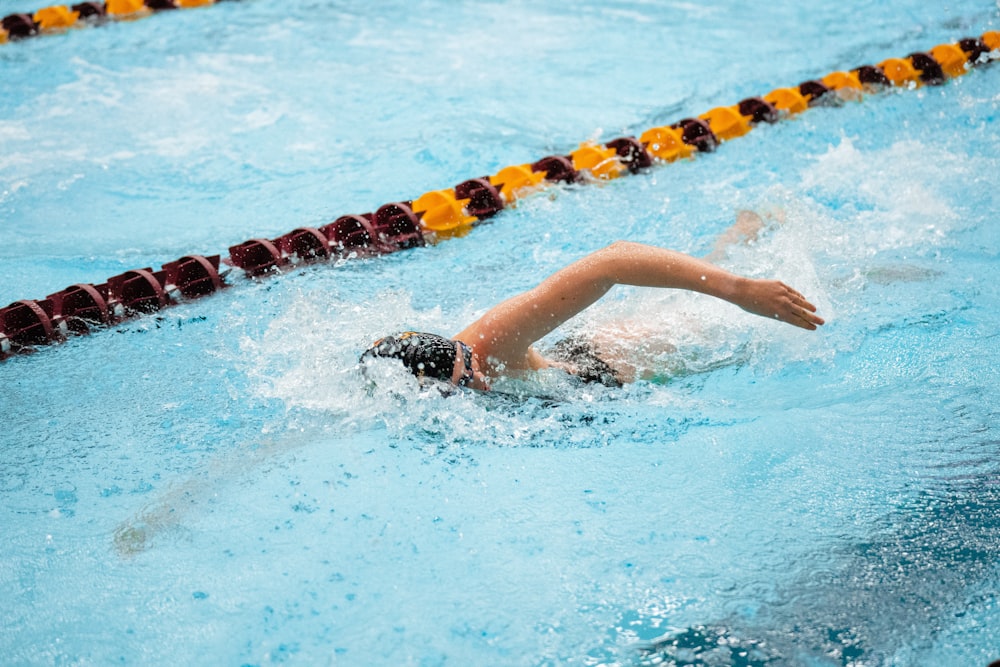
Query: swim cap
(424, 354)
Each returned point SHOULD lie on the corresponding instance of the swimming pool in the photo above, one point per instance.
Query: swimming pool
(212, 485)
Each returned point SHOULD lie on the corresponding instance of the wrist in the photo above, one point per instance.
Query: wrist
(735, 288)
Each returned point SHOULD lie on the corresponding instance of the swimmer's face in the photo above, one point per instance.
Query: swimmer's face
(466, 372)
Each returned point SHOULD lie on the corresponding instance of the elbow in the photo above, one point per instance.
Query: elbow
(626, 250)
(609, 259)
(621, 246)
(612, 263)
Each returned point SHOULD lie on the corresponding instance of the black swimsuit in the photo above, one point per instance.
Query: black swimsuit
(589, 367)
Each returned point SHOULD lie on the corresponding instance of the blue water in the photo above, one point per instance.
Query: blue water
(212, 485)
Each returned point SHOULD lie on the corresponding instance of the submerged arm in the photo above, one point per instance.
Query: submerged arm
(507, 331)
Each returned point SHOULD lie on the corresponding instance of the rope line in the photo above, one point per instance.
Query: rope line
(60, 18)
(83, 308)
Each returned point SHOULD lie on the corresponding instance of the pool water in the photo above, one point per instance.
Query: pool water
(215, 484)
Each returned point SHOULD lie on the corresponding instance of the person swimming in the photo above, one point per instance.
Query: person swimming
(501, 342)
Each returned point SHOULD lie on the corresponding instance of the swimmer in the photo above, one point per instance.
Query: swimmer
(501, 342)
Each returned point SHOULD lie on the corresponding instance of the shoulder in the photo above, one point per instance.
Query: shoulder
(496, 352)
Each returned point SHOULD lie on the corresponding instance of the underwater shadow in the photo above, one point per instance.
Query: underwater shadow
(910, 578)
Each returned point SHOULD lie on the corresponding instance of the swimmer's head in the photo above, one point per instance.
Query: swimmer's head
(430, 356)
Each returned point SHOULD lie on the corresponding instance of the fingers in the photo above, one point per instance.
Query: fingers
(798, 297)
(805, 317)
(772, 298)
(805, 305)
(802, 312)
(800, 322)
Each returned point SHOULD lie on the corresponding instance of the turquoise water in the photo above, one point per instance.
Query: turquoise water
(212, 485)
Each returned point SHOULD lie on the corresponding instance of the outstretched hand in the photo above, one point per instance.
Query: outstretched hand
(776, 300)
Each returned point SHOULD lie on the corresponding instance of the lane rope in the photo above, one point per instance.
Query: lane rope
(57, 19)
(83, 308)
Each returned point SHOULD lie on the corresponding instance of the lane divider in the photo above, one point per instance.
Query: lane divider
(59, 18)
(440, 214)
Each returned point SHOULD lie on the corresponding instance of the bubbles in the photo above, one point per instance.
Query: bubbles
(306, 356)
(758, 480)
(892, 197)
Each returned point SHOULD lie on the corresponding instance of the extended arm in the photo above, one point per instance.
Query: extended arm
(506, 332)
